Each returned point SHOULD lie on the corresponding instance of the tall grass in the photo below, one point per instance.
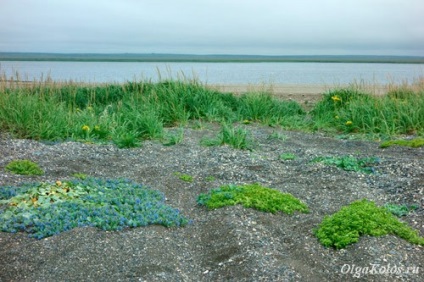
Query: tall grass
(401, 111)
(128, 113)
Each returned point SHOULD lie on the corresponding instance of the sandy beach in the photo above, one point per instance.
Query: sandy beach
(305, 94)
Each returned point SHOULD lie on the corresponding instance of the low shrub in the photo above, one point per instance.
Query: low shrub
(45, 209)
(413, 143)
(350, 163)
(252, 196)
(360, 218)
(24, 167)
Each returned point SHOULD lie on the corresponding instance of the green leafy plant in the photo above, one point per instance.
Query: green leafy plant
(359, 218)
(413, 143)
(252, 196)
(80, 175)
(287, 156)
(45, 209)
(127, 140)
(350, 163)
(400, 210)
(184, 177)
(24, 167)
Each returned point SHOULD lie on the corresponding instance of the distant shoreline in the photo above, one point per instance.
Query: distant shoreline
(183, 58)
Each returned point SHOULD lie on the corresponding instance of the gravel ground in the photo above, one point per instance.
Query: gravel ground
(227, 244)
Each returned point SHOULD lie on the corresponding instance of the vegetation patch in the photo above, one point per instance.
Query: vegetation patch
(413, 143)
(238, 138)
(252, 196)
(129, 113)
(350, 163)
(287, 156)
(359, 218)
(400, 210)
(174, 138)
(24, 167)
(184, 177)
(45, 209)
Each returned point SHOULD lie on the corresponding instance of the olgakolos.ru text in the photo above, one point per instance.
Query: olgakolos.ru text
(378, 269)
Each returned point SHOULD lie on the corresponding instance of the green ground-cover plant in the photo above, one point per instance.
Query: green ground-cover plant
(252, 196)
(400, 210)
(210, 178)
(350, 163)
(24, 167)
(360, 218)
(236, 137)
(45, 209)
(413, 143)
(287, 156)
(184, 177)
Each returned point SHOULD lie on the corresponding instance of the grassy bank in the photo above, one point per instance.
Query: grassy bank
(128, 113)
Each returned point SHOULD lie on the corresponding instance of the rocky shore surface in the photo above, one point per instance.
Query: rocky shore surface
(231, 243)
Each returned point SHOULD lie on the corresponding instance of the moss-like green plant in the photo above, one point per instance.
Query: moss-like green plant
(287, 157)
(24, 167)
(413, 143)
(45, 209)
(79, 175)
(349, 163)
(359, 218)
(252, 196)
(210, 178)
(400, 210)
(184, 177)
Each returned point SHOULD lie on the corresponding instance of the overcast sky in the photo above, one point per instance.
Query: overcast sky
(264, 27)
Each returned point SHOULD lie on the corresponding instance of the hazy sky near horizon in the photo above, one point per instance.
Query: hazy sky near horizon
(263, 27)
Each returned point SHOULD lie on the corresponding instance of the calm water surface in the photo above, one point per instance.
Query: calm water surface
(217, 73)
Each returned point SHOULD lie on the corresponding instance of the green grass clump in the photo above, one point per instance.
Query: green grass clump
(350, 163)
(24, 167)
(236, 137)
(362, 217)
(174, 138)
(252, 196)
(45, 209)
(413, 143)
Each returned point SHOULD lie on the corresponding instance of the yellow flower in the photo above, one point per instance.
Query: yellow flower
(336, 98)
(59, 183)
(86, 128)
(348, 122)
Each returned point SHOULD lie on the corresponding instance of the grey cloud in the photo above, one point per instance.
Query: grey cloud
(214, 26)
